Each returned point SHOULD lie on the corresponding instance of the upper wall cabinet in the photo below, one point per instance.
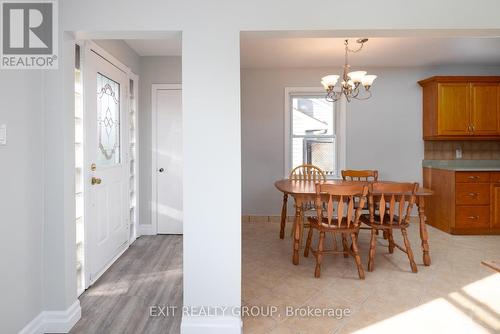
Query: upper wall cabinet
(461, 108)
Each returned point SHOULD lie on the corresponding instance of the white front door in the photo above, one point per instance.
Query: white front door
(168, 107)
(106, 142)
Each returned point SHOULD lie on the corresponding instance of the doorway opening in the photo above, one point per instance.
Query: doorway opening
(122, 125)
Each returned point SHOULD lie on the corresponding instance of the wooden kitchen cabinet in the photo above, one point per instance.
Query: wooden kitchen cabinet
(463, 202)
(461, 108)
(484, 102)
(495, 201)
(453, 109)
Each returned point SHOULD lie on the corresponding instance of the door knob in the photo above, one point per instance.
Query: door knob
(161, 170)
(95, 180)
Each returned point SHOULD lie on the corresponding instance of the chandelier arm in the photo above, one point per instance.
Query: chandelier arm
(355, 50)
(355, 92)
(369, 94)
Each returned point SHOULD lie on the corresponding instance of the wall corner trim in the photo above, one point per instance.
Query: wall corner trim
(211, 325)
(54, 321)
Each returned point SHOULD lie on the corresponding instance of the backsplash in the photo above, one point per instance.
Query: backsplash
(471, 150)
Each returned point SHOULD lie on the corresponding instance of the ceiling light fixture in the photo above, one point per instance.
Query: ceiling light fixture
(351, 83)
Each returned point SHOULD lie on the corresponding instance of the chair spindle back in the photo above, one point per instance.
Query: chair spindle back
(360, 175)
(390, 195)
(337, 198)
(307, 172)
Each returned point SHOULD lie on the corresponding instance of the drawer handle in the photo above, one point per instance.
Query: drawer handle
(473, 177)
(473, 217)
(473, 194)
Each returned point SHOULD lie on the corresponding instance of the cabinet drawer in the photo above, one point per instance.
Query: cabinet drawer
(472, 177)
(472, 217)
(495, 177)
(472, 194)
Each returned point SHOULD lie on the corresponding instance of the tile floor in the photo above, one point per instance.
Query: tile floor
(456, 294)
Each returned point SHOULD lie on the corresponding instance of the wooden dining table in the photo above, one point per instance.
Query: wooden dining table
(305, 191)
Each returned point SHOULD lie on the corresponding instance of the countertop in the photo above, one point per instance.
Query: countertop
(463, 165)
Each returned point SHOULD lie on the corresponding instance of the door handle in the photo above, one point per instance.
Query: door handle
(161, 170)
(95, 180)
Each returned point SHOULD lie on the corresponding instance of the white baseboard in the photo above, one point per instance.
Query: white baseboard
(146, 230)
(54, 321)
(211, 325)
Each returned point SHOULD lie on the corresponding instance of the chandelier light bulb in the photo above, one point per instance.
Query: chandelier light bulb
(329, 80)
(356, 76)
(368, 80)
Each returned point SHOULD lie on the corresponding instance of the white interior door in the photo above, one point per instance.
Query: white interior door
(167, 102)
(106, 142)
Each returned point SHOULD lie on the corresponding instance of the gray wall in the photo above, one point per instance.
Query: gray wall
(24, 249)
(154, 70)
(21, 199)
(383, 133)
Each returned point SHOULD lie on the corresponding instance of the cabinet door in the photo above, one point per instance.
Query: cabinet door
(454, 109)
(495, 205)
(484, 109)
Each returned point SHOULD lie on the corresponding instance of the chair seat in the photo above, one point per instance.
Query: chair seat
(386, 224)
(334, 227)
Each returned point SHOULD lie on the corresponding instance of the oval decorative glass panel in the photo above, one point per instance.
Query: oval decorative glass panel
(108, 121)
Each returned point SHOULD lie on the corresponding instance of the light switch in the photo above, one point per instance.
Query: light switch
(3, 134)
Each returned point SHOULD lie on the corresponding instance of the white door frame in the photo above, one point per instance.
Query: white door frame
(154, 145)
(88, 46)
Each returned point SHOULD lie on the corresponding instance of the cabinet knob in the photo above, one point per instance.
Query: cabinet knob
(473, 194)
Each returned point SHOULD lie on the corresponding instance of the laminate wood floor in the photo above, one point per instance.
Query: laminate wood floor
(148, 274)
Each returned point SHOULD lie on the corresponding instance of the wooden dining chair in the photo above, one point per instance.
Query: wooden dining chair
(390, 206)
(360, 175)
(306, 172)
(366, 175)
(339, 198)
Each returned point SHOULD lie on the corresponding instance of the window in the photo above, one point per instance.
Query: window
(313, 131)
(79, 203)
(134, 182)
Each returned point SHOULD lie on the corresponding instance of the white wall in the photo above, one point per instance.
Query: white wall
(121, 51)
(383, 133)
(212, 247)
(154, 70)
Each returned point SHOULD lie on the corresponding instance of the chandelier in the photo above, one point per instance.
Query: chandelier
(351, 83)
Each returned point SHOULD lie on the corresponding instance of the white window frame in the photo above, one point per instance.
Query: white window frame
(340, 128)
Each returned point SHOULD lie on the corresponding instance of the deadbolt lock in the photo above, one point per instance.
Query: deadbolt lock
(93, 167)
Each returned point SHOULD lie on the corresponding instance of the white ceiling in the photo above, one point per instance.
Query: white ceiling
(266, 52)
(169, 46)
(282, 52)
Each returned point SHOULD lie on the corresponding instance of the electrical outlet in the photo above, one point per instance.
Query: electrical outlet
(458, 152)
